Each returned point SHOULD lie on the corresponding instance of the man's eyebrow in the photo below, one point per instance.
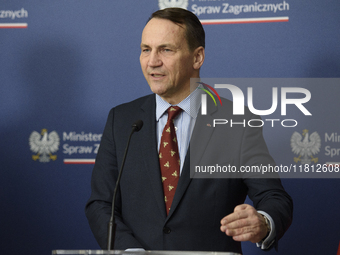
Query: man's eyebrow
(166, 45)
(143, 45)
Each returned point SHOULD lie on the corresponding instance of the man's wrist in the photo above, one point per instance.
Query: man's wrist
(269, 239)
(268, 226)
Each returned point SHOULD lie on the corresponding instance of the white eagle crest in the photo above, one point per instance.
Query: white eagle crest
(306, 146)
(44, 145)
(172, 3)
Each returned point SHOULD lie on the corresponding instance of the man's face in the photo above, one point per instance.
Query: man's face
(166, 60)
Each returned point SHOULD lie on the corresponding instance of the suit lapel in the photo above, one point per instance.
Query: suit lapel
(148, 148)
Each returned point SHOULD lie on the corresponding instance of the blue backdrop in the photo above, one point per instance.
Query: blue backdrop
(65, 63)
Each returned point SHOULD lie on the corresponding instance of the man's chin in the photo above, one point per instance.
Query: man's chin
(158, 89)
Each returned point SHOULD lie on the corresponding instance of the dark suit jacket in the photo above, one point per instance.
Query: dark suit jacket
(199, 204)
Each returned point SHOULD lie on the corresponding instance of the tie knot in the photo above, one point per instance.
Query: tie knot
(173, 111)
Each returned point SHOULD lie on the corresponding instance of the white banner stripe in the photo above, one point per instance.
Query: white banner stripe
(79, 161)
(13, 25)
(244, 20)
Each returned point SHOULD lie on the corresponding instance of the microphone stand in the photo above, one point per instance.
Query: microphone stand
(112, 224)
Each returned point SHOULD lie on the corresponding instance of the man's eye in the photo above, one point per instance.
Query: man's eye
(145, 50)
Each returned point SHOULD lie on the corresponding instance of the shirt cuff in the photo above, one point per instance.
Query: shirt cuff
(270, 239)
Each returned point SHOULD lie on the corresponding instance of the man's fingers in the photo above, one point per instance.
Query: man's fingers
(240, 212)
(252, 234)
(241, 207)
(236, 215)
(241, 223)
(245, 237)
(244, 224)
(237, 231)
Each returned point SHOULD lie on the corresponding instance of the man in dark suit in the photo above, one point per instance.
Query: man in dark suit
(205, 214)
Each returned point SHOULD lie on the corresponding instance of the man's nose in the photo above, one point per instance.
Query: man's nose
(154, 59)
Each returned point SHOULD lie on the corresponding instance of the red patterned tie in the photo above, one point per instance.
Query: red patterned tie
(169, 157)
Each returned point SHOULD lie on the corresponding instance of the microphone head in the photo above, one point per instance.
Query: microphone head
(137, 125)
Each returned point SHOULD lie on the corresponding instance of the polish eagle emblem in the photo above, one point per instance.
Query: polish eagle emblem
(173, 3)
(305, 146)
(44, 144)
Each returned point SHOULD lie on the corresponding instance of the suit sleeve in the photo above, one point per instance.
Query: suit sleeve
(98, 207)
(267, 194)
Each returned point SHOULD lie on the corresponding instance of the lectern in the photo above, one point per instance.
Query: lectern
(105, 252)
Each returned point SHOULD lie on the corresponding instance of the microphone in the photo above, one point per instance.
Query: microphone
(112, 225)
(137, 125)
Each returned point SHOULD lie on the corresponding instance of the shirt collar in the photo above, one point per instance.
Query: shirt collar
(190, 104)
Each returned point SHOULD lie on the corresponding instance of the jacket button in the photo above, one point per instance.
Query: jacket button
(166, 230)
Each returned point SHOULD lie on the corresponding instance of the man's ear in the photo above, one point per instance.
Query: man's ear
(199, 55)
